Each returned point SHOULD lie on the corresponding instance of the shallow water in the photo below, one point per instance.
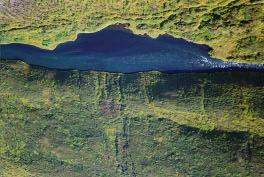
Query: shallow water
(114, 50)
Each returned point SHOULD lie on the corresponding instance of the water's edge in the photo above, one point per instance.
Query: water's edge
(120, 51)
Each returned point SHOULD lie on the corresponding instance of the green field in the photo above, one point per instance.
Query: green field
(233, 28)
(72, 123)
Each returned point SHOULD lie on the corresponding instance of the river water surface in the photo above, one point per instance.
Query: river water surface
(114, 50)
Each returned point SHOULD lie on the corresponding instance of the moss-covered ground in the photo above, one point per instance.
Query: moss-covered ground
(72, 123)
(233, 28)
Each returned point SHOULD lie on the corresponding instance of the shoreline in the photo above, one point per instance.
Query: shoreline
(171, 72)
(127, 27)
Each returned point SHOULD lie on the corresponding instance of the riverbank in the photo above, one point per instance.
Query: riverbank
(232, 29)
(71, 123)
(159, 95)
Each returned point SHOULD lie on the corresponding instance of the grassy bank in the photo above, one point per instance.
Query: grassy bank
(71, 123)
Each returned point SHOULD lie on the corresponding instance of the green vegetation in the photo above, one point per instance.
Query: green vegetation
(75, 124)
(72, 123)
(233, 28)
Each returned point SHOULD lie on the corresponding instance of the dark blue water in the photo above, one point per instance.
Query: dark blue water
(120, 51)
